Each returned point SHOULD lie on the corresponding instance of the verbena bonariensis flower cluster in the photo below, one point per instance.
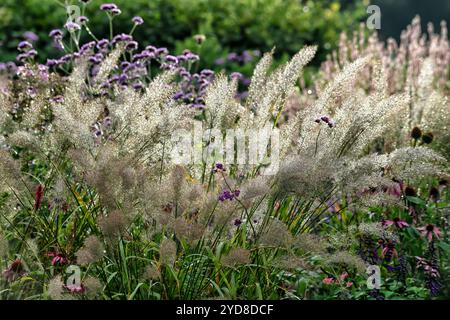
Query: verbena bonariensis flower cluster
(95, 206)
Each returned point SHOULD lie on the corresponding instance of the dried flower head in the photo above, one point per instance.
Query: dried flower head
(56, 288)
(93, 287)
(168, 252)
(91, 252)
(291, 262)
(151, 272)
(348, 260)
(310, 243)
(114, 224)
(276, 234)
(236, 257)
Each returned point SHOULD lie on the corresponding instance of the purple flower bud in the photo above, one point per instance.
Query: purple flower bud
(72, 26)
(219, 61)
(185, 74)
(87, 46)
(124, 64)
(178, 95)
(150, 49)
(66, 57)
(137, 86)
(114, 78)
(171, 59)
(246, 56)
(82, 20)
(207, 73)
(30, 36)
(105, 85)
(122, 38)
(52, 62)
(94, 60)
(32, 53)
(101, 44)
(236, 75)
(56, 33)
(108, 7)
(237, 222)
(192, 57)
(123, 78)
(137, 20)
(233, 56)
(131, 46)
(24, 46)
(161, 51)
(116, 12)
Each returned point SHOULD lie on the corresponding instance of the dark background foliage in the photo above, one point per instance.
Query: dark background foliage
(230, 25)
(396, 14)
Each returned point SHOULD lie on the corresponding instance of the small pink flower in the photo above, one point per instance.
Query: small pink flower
(58, 258)
(14, 271)
(396, 189)
(328, 281)
(429, 230)
(73, 288)
(38, 196)
(349, 284)
(343, 276)
(396, 222)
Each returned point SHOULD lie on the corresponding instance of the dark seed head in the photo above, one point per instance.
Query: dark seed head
(416, 133)
(410, 192)
(427, 138)
(434, 193)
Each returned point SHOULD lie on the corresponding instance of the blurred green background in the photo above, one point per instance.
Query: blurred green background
(229, 25)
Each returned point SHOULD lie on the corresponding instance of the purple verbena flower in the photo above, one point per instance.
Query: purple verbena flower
(131, 46)
(72, 26)
(236, 75)
(161, 51)
(82, 20)
(171, 59)
(116, 12)
(108, 7)
(137, 20)
(30, 36)
(101, 44)
(56, 33)
(24, 46)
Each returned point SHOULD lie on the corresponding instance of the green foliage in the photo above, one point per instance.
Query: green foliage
(230, 25)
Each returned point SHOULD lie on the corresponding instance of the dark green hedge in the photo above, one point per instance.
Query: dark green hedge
(230, 25)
